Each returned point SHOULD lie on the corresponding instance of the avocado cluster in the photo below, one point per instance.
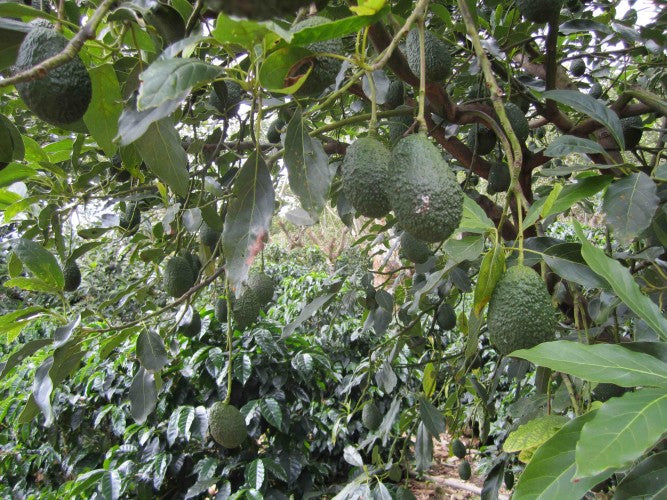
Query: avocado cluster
(521, 314)
(365, 170)
(179, 276)
(62, 95)
(227, 425)
(436, 53)
(426, 198)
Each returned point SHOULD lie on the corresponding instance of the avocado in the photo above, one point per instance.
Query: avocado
(437, 54)
(414, 249)
(499, 178)
(221, 310)
(632, 131)
(481, 139)
(130, 218)
(63, 94)
(395, 95)
(226, 97)
(262, 285)
(72, 275)
(190, 323)
(399, 125)
(577, 67)
(395, 473)
(195, 264)
(424, 193)
(324, 69)
(371, 416)
(257, 9)
(446, 318)
(464, 470)
(595, 91)
(539, 11)
(508, 478)
(227, 425)
(245, 309)
(520, 313)
(458, 448)
(518, 121)
(273, 134)
(364, 180)
(178, 276)
(208, 236)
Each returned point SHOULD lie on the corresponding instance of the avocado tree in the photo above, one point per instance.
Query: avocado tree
(502, 161)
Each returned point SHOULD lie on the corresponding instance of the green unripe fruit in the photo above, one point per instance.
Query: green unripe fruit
(399, 125)
(221, 310)
(520, 314)
(273, 134)
(539, 11)
(63, 94)
(459, 449)
(245, 309)
(395, 95)
(178, 276)
(424, 193)
(395, 473)
(195, 264)
(518, 121)
(365, 170)
(413, 249)
(324, 69)
(227, 425)
(190, 324)
(540, 133)
(632, 131)
(464, 470)
(371, 416)
(72, 275)
(437, 55)
(208, 236)
(499, 178)
(130, 219)
(481, 139)
(509, 479)
(262, 285)
(578, 67)
(226, 97)
(595, 91)
(446, 318)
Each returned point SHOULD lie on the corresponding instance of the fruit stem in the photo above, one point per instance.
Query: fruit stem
(373, 124)
(422, 75)
(230, 333)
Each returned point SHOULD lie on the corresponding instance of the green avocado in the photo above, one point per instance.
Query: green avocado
(395, 473)
(446, 317)
(518, 121)
(595, 91)
(508, 478)
(227, 425)
(413, 249)
(364, 181)
(262, 285)
(371, 416)
(324, 69)
(61, 96)
(499, 178)
(221, 310)
(178, 276)
(226, 97)
(257, 9)
(208, 236)
(481, 139)
(130, 218)
(632, 131)
(273, 134)
(464, 470)
(458, 448)
(437, 54)
(245, 309)
(399, 125)
(395, 95)
(424, 193)
(72, 275)
(190, 324)
(539, 11)
(195, 264)
(520, 314)
(577, 67)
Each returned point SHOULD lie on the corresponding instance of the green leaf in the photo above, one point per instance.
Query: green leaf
(270, 409)
(335, 29)
(534, 433)
(15, 172)
(247, 33)
(648, 479)
(110, 485)
(432, 418)
(31, 284)
(311, 308)
(429, 382)
(569, 144)
(574, 193)
(423, 448)
(12, 33)
(248, 217)
(474, 219)
(167, 79)
(40, 262)
(105, 107)
(623, 284)
(143, 395)
(629, 205)
(11, 141)
(307, 167)
(26, 350)
(608, 363)
(467, 248)
(133, 124)
(565, 260)
(549, 474)
(160, 147)
(590, 107)
(276, 68)
(180, 424)
(151, 351)
(255, 473)
(621, 431)
(490, 271)
(42, 388)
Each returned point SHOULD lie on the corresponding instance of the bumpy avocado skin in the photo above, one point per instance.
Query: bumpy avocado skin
(227, 425)
(325, 69)
(464, 470)
(481, 139)
(63, 95)
(72, 275)
(595, 91)
(539, 11)
(413, 249)
(458, 448)
(424, 193)
(221, 310)
(263, 286)
(178, 276)
(632, 131)
(518, 121)
(578, 67)
(209, 236)
(365, 168)
(395, 95)
(446, 317)
(438, 58)
(246, 309)
(371, 416)
(520, 314)
(399, 125)
(499, 178)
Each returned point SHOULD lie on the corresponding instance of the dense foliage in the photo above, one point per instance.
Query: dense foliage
(430, 150)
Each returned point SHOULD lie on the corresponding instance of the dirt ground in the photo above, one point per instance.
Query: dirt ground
(442, 480)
